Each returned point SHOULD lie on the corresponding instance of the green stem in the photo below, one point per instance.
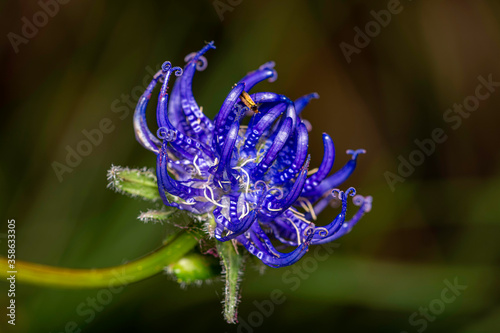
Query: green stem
(171, 251)
(233, 263)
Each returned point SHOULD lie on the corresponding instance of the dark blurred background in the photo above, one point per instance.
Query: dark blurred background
(441, 223)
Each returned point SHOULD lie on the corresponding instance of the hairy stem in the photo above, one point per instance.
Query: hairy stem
(232, 263)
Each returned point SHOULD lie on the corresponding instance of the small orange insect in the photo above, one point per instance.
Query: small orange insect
(248, 101)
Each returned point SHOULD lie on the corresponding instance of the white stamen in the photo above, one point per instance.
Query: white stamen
(245, 211)
(247, 161)
(196, 166)
(297, 230)
(311, 208)
(212, 200)
(296, 212)
(248, 177)
(272, 209)
(300, 216)
(304, 206)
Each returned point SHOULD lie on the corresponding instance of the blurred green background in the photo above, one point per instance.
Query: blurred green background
(442, 222)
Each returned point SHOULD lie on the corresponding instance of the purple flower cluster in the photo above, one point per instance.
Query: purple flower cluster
(253, 178)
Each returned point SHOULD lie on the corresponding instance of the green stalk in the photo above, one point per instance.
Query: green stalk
(171, 251)
(233, 263)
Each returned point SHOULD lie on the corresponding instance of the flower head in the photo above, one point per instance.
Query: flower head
(253, 178)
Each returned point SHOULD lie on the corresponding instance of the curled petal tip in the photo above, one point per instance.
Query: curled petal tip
(367, 204)
(164, 133)
(177, 71)
(351, 191)
(358, 200)
(310, 96)
(201, 63)
(210, 44)
(308, 125)
(364, 202)
(274, 77)
(355, 153)
(339, 194)
(268, 65)
(303, 101)
(166, 66)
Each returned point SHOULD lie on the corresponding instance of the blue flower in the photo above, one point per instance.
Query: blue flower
(253, 178)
